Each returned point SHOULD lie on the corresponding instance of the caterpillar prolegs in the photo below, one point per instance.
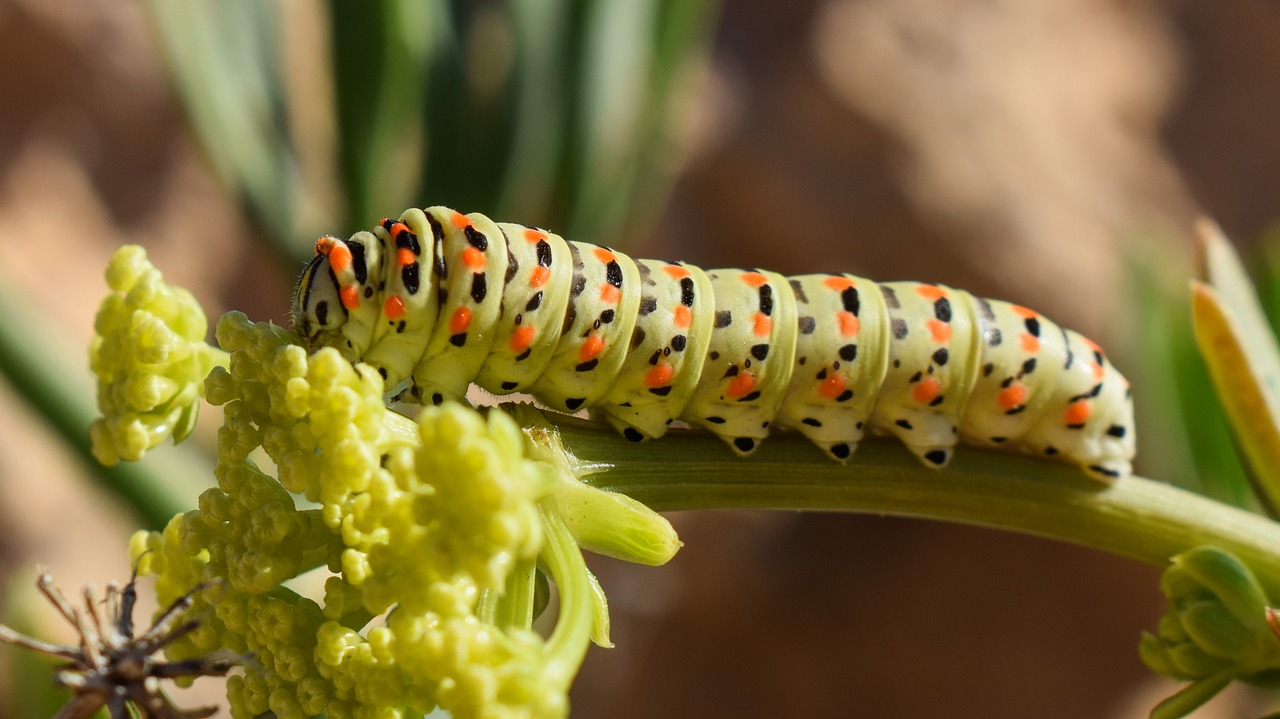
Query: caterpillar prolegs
(446, 300)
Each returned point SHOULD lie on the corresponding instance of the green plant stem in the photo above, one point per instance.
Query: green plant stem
(1134, 517)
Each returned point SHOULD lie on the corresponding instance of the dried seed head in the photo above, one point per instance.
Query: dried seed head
(112, 669)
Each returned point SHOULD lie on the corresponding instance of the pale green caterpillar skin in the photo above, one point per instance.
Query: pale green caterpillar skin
(445, 300)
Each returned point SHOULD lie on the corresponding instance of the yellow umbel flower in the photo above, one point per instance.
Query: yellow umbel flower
(150, 358)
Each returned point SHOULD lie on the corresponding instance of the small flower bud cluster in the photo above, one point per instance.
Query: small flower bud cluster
(1215, 628)
(417, 524)
(150, 358)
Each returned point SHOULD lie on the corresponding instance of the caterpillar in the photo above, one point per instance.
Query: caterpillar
(444, 300)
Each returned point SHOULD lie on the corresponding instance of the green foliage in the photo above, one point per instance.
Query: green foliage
(559, 111)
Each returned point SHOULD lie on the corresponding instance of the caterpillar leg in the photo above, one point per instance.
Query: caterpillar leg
(630, 431)
(936, 456)
(841, 452)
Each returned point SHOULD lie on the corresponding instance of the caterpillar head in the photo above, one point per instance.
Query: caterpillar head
(329, 292)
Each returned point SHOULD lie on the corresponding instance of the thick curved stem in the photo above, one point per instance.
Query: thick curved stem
(1135, 517)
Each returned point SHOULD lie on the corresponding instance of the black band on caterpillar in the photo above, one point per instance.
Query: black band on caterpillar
(445, 299)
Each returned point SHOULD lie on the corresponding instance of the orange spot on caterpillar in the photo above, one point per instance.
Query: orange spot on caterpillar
(681, 317)
(1092, 345)
(1098, 372)
(832, 386)
(740, 385)
(405, 256)
(675, 271)
(604, 255)
(761, 325)
(849, 324)
(539, 276)
(1030, 343)
(659, 376)
(1012, 397)
(609, 294)
(350, 296)
(473, 258)
(340, 257)
(324, 244)
(521, 338)
(926, 390)
(533, 236)
(1077, 412)
(460, 221)
(940, 330)
(755, 279)
(838, 284)
(591, 348)
(393, 308)
(933, 293)
(460, 320)
(1024, 312)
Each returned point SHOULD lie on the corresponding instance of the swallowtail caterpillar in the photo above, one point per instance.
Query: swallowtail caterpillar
(444, 300)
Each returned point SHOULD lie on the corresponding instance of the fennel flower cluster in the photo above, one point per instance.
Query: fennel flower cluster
(151, 359)
(429, 530)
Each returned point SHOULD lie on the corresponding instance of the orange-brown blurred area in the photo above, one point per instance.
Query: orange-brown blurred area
(1023, 150)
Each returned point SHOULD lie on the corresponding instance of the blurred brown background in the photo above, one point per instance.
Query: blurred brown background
(1012, 148)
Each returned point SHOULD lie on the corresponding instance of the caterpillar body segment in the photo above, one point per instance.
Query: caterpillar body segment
(751, 358)
(666, 352)
(842, 357)
(445, 300)
(932, 364)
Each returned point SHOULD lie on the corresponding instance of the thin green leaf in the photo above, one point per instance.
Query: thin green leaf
(632, 61)
(1242, 358)
(1183, 435)
(379, 52)
(224, 61)
(1223, 270)
(1191, 697)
